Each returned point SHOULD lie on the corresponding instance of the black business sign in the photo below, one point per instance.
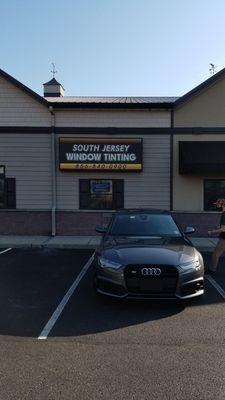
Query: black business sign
(120, 154)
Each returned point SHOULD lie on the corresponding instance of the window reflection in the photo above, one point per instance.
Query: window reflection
(101, 194)
(213, 189)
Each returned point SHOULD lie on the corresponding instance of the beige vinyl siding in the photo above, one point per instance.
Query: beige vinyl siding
(205, 109)
(150, 188)
(113, 118)
(188, 189)
(28, 159)
(19, 109)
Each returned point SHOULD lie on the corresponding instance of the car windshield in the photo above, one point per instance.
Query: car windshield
(144, 225)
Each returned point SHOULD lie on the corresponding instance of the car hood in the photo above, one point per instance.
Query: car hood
(144, 251)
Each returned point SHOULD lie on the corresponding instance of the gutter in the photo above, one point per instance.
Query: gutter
(138, 106)
(53, 167)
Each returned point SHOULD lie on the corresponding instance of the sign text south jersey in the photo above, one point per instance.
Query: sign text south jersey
(100, 154)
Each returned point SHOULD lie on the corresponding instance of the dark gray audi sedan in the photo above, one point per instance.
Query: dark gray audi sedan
(144, 254)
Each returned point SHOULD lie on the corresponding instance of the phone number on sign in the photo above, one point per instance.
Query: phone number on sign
(101, 166)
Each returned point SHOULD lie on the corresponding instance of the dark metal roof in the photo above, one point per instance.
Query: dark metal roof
(112, 100)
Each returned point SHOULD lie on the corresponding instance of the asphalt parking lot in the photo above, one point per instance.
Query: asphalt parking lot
(99, 348)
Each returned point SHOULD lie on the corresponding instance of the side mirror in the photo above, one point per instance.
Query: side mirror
(101, 229)
(189, 230)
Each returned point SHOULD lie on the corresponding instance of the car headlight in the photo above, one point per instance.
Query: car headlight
(191, 265)
(104, 263)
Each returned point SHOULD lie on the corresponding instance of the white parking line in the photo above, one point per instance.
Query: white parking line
(216, 286)
(5, 251)
(48, 327)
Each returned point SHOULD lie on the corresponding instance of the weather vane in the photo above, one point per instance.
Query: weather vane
(53, 70)
(212, 68)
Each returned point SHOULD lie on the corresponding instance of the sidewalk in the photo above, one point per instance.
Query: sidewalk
(80, 242)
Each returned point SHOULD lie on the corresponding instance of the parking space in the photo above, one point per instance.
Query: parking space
(89, 316)
(170, 350)
(32, 283)
(97, 318)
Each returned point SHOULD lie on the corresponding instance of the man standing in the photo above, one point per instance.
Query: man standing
(220, 247)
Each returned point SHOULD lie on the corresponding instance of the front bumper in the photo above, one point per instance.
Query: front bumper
(113, 283)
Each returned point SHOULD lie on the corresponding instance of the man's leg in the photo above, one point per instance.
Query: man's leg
(218, 251)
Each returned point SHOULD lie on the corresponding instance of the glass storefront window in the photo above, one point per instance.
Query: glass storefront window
(101, 194)
(213, 190)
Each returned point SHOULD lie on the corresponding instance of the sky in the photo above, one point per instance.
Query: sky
(113, 47)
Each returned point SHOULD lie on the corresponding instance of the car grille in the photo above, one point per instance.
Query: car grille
(159, 285)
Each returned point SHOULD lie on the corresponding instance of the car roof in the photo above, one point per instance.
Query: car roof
(141, 211)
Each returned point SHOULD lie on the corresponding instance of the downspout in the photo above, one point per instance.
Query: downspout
(53, 167)
(171, 159)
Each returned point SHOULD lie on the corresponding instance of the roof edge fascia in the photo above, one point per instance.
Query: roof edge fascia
(197, 90)
(23, 87)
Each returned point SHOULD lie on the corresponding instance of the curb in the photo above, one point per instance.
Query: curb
(71, 246)
(47, 246)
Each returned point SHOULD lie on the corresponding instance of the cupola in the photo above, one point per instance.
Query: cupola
(53, 89)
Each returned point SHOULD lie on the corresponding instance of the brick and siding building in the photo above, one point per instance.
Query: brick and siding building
(175, 157)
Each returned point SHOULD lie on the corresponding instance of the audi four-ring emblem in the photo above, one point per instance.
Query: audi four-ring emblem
(151, 271)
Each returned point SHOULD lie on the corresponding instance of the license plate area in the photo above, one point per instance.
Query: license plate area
(153, 285)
